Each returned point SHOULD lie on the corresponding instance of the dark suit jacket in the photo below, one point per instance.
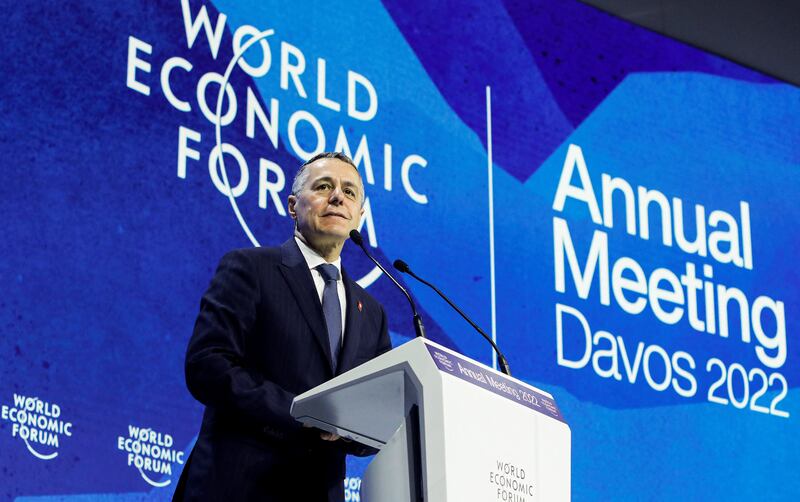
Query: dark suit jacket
(261, 339)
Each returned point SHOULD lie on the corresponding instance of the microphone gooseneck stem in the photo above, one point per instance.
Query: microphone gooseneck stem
(419, 328)
(501, 359)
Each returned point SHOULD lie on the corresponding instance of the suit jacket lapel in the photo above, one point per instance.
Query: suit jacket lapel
(298, 277)
(352, 327)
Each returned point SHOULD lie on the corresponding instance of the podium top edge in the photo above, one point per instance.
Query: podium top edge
(483, 366)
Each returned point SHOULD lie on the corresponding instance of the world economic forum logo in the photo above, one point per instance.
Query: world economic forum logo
(38, 424)
(151, 453)
(222, 179)
(443, 360)
(303, 132)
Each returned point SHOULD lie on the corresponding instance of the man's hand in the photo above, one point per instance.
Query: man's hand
(328, 436)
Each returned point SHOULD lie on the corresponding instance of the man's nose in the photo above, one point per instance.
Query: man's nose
(337, 196)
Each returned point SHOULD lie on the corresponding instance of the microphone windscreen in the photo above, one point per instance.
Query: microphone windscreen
(401, 266)
(355, 236)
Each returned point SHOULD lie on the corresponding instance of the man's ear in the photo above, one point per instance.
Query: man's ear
(360, 216)
(290, 202)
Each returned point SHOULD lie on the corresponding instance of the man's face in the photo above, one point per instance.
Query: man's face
(328, 206)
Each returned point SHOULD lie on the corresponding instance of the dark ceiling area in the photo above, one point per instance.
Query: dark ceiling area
(764, 35)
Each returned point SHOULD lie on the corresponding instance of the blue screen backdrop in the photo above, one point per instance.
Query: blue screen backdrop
(644, 199)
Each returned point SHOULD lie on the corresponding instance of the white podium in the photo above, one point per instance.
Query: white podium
(449, 429)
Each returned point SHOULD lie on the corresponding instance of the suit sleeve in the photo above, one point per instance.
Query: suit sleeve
(384, 342)
(384, 345)
(217, 374)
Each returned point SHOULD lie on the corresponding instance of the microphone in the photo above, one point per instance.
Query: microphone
(355, 236)
(501, 359)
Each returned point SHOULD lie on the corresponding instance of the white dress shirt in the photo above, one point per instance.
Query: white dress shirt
(313, 260)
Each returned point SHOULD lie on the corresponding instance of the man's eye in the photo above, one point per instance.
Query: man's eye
(323, 186)
(350, 192)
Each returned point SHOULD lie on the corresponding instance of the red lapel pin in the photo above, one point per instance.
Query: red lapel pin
(360, 307)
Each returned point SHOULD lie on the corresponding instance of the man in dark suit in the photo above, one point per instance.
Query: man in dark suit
(274, 323)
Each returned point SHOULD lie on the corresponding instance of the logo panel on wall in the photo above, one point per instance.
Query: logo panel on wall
(38, 423)
(151, 453)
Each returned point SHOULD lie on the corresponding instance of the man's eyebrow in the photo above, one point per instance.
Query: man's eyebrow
(329, 179)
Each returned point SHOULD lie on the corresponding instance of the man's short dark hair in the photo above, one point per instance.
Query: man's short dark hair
(302, 175)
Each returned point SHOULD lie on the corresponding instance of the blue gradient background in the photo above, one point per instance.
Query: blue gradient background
(106, 252)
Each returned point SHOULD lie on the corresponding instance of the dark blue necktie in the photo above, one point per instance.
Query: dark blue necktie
(332, 308)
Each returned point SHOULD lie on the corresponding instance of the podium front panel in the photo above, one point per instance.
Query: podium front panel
(495, 446)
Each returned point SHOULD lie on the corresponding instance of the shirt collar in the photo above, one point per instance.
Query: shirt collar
(313, 259)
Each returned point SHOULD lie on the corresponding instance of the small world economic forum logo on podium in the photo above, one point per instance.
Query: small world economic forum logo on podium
(444, 361)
